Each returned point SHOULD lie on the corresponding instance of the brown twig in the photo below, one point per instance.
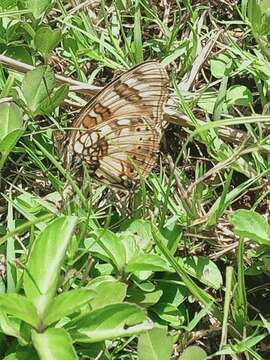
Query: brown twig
(75, 85)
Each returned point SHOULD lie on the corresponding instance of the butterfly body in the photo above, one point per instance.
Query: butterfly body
(118, 132)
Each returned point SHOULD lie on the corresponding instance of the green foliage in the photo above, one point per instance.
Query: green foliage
(155, 345)
(11, 129)
(252, 225)
(185, 260)
(46, 39)
(38, 88)
(193, 352)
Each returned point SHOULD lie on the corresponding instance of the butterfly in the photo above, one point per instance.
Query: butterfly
(118, 132)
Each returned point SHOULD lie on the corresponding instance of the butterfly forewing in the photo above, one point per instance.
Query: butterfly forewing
(118, 132)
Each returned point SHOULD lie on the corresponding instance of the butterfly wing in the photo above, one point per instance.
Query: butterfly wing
(118, 132)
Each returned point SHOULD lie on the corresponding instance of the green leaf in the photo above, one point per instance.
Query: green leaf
(11, 126)
(207, 101)
(142, 298)
(155, 344)
(174, 292)
(48, 105)
(46, 39)
(110, 322)
(265, 9)
(20, 307)
(255, 16)
(70, 44)
(108, 290)
(7, 4)
(8, 143)
(67, 303)
(238, 95)
(11, 327)
(137, 44)
(54, 344)
(109, 247)
(45, 260)
(193, 352)
(147, 262)
(220, 66)
(19, 53)
(203, 269)
(265, 5)
(22, 354)
(37, 85)
(175, 316)
(38, 7)
(250, 224)
(141, 230)
(242, 346)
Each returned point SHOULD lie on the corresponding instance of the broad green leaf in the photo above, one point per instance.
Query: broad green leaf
(37, 85)
(48, 105)
(250, 224)
(8, 143)
(155, 344)
(54, 344)
(220, 66)
(70, 44)
(174, 291)
(110, 322)
(45, 260)
(142, 298)
(173, 315)
(46, 39)
(172, 233)
(11, 126)
(147, 262)
(22, 354)
(203, 269)
(11, 327)
(136, 238)
(238, 95)
(108, 290)
(141, 231)
(19, 53)
(193, 352)
(67, 303)
(38, 7)
(109, 247)
(130, 244)
(20, 307)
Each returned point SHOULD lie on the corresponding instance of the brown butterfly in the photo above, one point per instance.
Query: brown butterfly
(118, 132)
